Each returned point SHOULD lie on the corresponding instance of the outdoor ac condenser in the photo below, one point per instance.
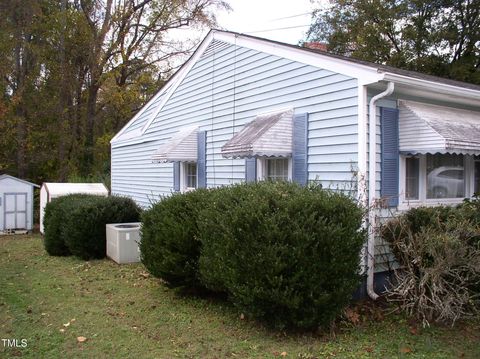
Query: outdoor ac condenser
(122, 242)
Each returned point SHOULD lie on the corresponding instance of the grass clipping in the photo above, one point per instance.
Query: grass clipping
(440, 270)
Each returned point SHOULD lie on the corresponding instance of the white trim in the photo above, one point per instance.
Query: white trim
(362, 144)
(183, 178)
(433, 86)
(366, 74)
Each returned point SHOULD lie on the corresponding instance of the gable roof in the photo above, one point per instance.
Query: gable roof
(5, 176)
(366, 72)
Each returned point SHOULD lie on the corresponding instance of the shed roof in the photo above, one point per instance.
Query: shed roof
(438, 129)
(60, 189)
(268, 135)
(19, 180)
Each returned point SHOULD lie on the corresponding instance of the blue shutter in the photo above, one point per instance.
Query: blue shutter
(299, 148)
(390, 155)
(250, 169)
(176, 176)
(202, 159)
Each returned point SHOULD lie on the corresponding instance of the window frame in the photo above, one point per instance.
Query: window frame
(262, 167)
(183, 177)
(404, 203)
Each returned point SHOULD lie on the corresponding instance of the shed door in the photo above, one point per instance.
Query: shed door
(15, 210)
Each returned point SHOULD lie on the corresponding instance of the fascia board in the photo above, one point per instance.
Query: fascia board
(365, 74)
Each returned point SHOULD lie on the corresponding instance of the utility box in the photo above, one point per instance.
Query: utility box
(123, 241)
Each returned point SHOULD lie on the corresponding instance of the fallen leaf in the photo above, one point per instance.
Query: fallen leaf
(352, 316)
(72, 320)
(405, 350)
(242, 316)
(62, 330)
(413, 330)
(81, 339)
(66, 325)
(283, 354)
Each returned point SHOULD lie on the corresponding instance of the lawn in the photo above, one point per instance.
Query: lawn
(122, 312)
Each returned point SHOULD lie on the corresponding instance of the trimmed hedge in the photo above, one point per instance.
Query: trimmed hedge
(84, 227)
(285, 254)
(169, 246)
(75, 224)
(54, 218)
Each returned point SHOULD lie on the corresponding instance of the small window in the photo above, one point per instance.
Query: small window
(445, 176)
(276, 169)
(190, 175)
(412, 177)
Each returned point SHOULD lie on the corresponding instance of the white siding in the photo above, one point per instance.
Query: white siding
(227, 88)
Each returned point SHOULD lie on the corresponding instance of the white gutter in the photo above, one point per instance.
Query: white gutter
(372, 187)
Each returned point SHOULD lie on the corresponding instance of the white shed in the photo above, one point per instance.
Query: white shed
(51, 190)
(16, 203)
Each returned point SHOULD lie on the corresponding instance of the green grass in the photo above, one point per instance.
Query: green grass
(124, 313)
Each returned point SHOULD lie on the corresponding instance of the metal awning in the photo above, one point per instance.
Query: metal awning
(425, 128)
(181, 147)
(269, 135)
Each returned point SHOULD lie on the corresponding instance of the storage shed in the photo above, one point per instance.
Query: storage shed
(16, 203)
(52, 190)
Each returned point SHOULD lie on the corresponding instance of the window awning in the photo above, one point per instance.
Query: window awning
(181, 147)
(433, 129)
(268, 135)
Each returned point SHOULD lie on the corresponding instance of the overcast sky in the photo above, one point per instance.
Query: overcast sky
(285, 21)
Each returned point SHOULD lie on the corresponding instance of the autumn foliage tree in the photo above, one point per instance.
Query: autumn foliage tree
(439, 37)
(73, 72)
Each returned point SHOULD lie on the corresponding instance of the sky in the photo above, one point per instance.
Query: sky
(280, 20)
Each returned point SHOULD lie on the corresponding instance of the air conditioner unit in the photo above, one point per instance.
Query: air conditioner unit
(122, 242)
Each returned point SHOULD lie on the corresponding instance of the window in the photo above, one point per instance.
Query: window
(439, 177)
(189, 176)
(412, 172)
(445, 176)
(277, 169)
(274, 169)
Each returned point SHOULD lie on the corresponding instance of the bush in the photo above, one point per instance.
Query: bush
(53, 221)
(84, 224)
(170, 247)
(440, 263)
(285, 254)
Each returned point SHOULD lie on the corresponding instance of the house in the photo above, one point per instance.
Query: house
(16, 204)
(244, 108)
(52, 190)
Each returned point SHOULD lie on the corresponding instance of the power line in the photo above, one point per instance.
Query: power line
(290, 17)
(277, 29)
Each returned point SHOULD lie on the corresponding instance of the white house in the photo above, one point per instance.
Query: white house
(244, 108)
(16, 203)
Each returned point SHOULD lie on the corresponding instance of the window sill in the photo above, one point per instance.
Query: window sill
(407, 204)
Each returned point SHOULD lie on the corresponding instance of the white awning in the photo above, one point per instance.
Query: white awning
(268, 135)
(181, 147)
(438, 129)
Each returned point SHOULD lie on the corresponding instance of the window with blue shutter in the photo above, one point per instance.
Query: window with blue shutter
(299, 148)
(390, 155)
(250, 169)
(176, 176)
(202, 159)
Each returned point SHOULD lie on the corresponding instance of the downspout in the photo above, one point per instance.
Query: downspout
(372, 187)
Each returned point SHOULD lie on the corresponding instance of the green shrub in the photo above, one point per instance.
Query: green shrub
(440, 262)
(285, 254)
(53, 222)
(170, 247)
(84, 226)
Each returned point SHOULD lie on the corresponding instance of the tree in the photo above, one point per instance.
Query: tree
(439, 37)
(129, 36)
